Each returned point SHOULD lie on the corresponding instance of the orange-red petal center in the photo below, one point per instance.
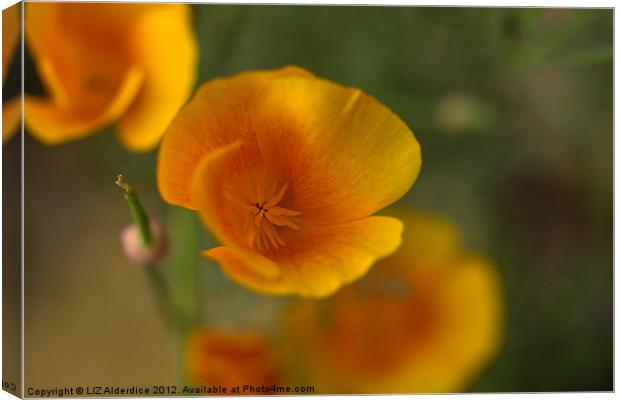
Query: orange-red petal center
(257, 203)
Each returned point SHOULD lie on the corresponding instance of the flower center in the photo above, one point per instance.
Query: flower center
(262, 216)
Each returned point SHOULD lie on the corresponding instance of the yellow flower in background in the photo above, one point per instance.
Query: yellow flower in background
(11, 109)
(425, 320)
(229, 359)
(133, 64)
(286, 169)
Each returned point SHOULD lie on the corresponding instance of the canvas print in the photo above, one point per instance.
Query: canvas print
(210, 199)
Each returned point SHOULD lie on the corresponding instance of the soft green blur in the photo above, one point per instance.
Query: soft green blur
(513, 109)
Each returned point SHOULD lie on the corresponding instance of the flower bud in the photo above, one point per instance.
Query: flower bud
(139, 252)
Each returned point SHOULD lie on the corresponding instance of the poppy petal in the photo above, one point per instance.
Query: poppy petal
(215, 116)
(207, 189)
(318, 262)
(345, 155)
(52, 124)
(85, 53)
(165, 30)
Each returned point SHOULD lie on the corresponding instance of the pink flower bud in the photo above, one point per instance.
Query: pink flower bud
(137, 251)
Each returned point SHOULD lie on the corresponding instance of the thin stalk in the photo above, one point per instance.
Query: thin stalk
(172, 316)
(178, 318)
(183, 269)
(137, 211)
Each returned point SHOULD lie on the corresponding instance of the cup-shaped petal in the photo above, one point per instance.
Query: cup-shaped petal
(286, 169)
(230, 359)
(104, 63)
(347, 154)
(220, 113)
(423, 321)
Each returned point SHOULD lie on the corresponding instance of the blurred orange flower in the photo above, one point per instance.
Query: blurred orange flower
(133, 64)
(229, 359)
(425, 320)
(11, 109)
(286, 169)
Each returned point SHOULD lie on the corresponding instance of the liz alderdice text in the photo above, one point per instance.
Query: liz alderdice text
(166, 390)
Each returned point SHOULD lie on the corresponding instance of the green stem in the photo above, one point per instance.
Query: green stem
(183, 273)
(172, 316)
(178, 318)
(137, 211)
(183, 261)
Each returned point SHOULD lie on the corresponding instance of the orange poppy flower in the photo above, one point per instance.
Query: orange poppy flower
(133, 64)
(230, 359)
(286, 169)
(11, 110)
(425, 320)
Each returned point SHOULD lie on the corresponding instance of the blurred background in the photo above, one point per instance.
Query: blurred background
(513, 109)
